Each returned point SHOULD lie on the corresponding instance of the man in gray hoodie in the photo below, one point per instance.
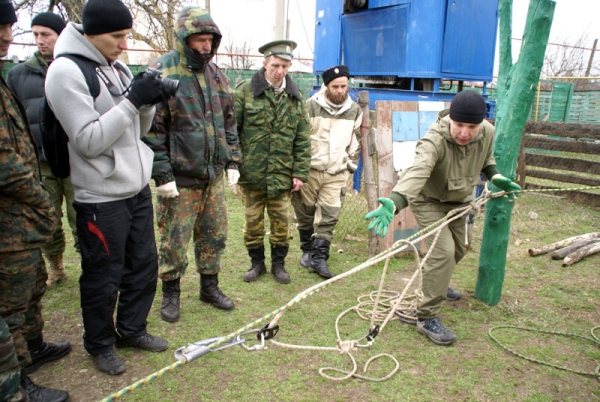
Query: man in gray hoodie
(110, 171)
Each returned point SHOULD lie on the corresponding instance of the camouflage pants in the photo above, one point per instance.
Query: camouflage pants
(9, 366)
(318, 203)
(278, 208)
(59, 189)
(22, 285)
(198, 213)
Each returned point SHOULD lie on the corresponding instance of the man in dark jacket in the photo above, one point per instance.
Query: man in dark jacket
(26, 80)
(273, 130)
(28, 220)
(194, 139)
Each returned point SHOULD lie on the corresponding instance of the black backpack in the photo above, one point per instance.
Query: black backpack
(54, 139)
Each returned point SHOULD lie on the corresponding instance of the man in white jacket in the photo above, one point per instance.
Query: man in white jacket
(110, 171)
(335, 121)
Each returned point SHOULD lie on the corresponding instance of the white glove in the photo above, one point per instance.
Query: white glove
(168, 190)
(232, 177)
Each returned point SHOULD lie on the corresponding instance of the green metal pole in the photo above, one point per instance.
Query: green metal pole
(517, 84)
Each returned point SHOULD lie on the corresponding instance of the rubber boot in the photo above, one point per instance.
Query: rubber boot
(319, 257)
(257, 259)
(210, 292)
(306, 244)
(56, 270)
(278, 255)
(42, 394)
(169, 309)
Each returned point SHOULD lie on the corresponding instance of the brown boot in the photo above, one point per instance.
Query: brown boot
(56, 270)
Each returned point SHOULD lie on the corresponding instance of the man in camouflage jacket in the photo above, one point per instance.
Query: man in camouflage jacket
(273, 130)
(28, 220)
(194, 139)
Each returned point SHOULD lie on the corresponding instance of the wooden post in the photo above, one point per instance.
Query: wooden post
(516, 89)
(368, 173)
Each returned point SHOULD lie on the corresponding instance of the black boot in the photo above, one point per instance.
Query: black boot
(210, 292)
(278, 255)
(169, 310)
(42, 394)
(319, 256)
(306, 244)
(44, 352)
(257, 256)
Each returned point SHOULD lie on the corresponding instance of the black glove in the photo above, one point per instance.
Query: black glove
(146, 90)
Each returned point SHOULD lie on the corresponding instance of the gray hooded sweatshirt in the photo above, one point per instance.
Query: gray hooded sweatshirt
(109, 162)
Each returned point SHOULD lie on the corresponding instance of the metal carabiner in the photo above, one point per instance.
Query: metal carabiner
(195, 350)
(257, 347)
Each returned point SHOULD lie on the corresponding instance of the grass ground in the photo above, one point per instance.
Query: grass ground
(538, 293)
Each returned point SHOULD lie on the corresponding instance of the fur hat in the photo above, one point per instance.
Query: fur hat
(335, 72)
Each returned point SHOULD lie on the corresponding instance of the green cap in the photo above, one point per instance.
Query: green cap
(280, 48)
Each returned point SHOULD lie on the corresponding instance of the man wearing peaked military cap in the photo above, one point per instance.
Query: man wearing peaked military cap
(273, 130)
(335, 121)
(280, 48)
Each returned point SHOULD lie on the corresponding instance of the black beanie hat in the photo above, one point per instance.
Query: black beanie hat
(7, 12)
(104, 16)
(335, 72)
(49, 20)
(468, 107)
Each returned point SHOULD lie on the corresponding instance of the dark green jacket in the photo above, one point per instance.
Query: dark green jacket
(27, 217)
(194, 135)
(274, 136)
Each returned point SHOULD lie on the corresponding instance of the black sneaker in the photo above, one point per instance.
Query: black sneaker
(452, 295)
(49, 351)
(436, 331)
(110, 363)
(145, 342)
(37, 393)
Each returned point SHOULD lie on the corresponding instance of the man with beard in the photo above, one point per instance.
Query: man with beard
(194, 139)
(273, 130)
(335, 121)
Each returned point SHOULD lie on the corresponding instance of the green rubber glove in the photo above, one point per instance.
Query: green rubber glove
(381, 217)
(507, 185)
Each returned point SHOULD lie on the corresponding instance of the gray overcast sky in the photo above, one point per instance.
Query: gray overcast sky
(252, 21)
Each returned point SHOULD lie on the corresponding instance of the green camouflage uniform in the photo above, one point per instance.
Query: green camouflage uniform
(275, 143)
(28, 221)
(194, 139)
(9, 366)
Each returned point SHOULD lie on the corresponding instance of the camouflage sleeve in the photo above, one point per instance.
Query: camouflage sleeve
(355, 143)
(17, 181)
(157, 139)
(239, 110)
(231, 131)
(302, 147)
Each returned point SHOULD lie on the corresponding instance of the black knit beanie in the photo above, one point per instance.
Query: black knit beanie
(335, 72)
(49, 20)
(468, 107)
(7, 12)
(104, 16)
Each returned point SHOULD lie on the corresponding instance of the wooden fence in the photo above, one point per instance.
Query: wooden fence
(561, 155)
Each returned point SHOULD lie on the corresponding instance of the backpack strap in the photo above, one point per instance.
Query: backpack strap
(88, 68)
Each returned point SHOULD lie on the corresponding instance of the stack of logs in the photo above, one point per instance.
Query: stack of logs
(572, 249)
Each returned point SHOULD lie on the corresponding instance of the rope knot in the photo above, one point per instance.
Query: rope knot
(345, 347)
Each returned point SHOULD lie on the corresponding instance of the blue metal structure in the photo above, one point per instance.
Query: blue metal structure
(405, 49)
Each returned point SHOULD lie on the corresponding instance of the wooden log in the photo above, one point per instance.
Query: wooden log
(565, 251)
(570, 164)
(581, 253)
(563, 178)
(560, 244)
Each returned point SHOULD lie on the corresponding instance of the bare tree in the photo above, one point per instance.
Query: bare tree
(564, 59)
(239, 57)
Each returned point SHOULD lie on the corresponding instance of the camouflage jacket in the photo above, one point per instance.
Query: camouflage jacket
(194, 135)
(274, 136)
(27, 217)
